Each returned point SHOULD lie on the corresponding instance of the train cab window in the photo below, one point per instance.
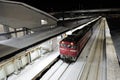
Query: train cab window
(68, 46)
(63, 45)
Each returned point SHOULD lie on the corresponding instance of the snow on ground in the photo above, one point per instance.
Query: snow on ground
(31, 70)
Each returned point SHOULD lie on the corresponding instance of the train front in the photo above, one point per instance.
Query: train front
(68, 50)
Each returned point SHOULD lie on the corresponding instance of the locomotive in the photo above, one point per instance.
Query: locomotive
(71, 46)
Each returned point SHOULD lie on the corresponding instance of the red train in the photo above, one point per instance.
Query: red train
(71, 46)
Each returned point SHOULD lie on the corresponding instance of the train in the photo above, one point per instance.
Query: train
(71, 46)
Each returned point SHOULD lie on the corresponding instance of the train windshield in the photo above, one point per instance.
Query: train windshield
(71, 45)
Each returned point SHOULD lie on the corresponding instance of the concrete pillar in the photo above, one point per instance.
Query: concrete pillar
(6, 30)
(3, 75)
(26, 31)
(28, 57)
(15, 66)
(15, 32)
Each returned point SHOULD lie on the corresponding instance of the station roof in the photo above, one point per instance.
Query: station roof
(18, 14)
(95, 10)
(16, 45)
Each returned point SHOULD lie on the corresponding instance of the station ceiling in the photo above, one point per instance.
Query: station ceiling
(68, 5)
(17, 15)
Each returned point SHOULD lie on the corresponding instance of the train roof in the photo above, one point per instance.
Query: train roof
(72, 38)
(76, 35)
(75, 32)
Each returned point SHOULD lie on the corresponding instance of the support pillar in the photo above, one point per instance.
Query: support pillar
(6, 30)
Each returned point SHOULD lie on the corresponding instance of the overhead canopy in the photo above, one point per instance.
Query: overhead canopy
(17, 15)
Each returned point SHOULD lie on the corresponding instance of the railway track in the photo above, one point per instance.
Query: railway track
(88, 65)
(92, 69)
(56, 70)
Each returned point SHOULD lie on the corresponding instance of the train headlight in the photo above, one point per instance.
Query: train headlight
(72, 43)
(62, 42)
